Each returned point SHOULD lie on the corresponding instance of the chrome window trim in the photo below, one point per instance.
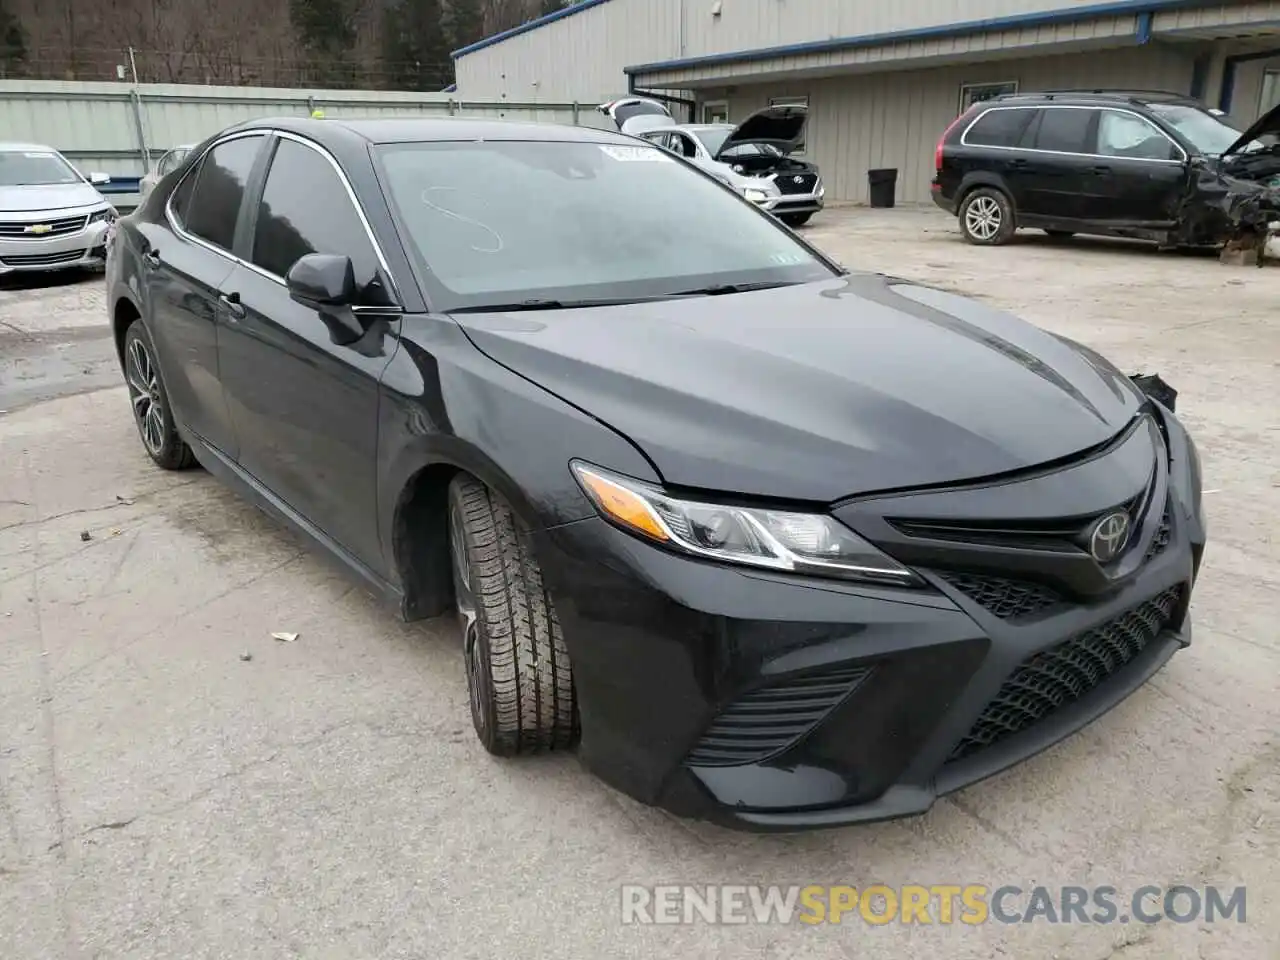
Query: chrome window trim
(177, 228)
(1063, 153)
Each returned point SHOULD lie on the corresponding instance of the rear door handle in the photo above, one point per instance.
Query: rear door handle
(1018, 163)
(1102, 170)
(231, 303)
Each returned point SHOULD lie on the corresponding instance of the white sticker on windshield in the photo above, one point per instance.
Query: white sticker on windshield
(635, 154)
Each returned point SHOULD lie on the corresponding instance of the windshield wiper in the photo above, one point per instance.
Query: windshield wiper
(720, 289)
(524, 305)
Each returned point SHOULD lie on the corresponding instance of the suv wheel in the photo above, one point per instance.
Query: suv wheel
(986, 217)
(518, 674)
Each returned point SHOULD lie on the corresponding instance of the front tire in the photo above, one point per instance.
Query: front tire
(795, 219)
(986, 217)
(152, 413)
(518, 673)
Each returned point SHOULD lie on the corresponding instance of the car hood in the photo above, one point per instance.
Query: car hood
(1268, 123)
(782, 127)
(819, 391)
(54, 196)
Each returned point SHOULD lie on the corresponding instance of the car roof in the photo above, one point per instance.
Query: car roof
(431, 129)
(10, 147)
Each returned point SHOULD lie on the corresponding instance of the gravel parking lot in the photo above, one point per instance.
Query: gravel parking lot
(163, 797)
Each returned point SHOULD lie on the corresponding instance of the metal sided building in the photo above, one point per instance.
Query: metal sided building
(882, 79)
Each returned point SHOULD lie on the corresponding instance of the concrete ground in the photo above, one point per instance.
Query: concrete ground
(161, 796)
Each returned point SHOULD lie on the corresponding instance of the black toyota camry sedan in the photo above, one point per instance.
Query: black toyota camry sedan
(772, 542)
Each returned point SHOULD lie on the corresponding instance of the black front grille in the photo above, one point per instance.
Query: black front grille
(1065, 673)
(42, 259)
(770, 719)
(41, 229)
(1007, 599)
(796, 182)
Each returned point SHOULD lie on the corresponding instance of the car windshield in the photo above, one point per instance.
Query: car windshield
(1206, 132)
(504, 222)
(713, 138)
(25, 168)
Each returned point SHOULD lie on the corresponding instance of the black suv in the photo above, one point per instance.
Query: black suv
(1141, 164)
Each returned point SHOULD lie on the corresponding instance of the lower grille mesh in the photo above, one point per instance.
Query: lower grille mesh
(1065, 673)
(1007, 599)
(768, 720)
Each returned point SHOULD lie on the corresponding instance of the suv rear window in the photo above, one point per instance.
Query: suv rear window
(999, 128)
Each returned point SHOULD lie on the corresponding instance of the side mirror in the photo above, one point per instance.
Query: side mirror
(326, 282)
(99, 178)
(322, 280)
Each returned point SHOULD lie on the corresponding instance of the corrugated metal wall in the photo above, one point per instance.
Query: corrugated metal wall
(750, 24)
(868, 121)
(578, 56)
(96, 126)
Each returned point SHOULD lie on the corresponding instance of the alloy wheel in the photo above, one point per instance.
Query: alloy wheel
(144, 394)
(983, 217)
(465, 602)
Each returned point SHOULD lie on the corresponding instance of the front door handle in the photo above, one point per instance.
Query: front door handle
(1102, 170)
(231, 303)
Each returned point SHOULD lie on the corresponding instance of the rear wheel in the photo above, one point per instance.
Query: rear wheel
(518, 674)
(151, 410)
(986, 217)
(795, 219)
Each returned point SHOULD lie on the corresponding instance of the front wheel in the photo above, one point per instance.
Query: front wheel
(986, 217)
(795, 219)
(518, 673)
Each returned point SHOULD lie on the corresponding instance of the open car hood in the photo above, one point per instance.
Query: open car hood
(781, 127)
(1268, 123)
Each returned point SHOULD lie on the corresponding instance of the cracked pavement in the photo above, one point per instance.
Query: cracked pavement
(161, 797)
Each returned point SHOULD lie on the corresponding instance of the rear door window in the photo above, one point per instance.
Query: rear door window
(1066, 130)
(1000, 128)
(214, 208)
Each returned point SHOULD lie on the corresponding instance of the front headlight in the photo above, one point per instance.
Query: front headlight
(754, 195)
(807, 543)
(104, 216)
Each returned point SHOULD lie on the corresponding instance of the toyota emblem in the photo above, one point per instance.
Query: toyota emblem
(1110, 536)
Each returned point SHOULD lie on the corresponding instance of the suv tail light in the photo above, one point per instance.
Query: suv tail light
(942, 140)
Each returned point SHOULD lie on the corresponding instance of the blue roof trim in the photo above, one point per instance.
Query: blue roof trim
(1021, 20)
(578, 7)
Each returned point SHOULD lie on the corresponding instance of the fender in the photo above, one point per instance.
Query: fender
(983, 178)
(446, 407)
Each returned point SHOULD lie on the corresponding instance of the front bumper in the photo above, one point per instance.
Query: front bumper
(769, 702)
(82, 246)
(789, 203)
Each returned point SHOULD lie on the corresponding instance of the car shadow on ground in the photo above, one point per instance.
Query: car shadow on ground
(1079, 243)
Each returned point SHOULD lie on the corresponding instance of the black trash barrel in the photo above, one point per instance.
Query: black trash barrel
(883, 186)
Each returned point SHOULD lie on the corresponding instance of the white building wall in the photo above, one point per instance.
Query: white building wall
(751, 24)
(578, 57)
(869, 121)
